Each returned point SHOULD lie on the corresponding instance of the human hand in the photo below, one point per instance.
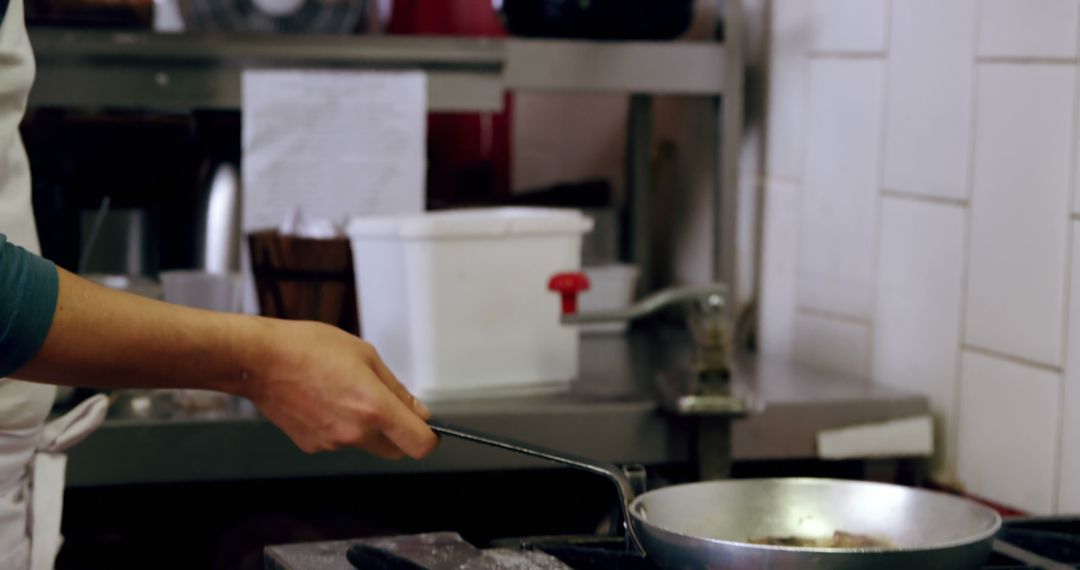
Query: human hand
(324, 387)
(329, 390)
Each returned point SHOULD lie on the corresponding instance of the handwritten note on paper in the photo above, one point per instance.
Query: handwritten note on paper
(334, 143)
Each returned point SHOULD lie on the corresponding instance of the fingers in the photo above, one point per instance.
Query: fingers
(367, 439)
(394, 411)
(336, 393)
(379, 445)
(397, 388)
(403, 427)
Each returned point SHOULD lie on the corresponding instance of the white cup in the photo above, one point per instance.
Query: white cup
(611, 287)
(202, 290)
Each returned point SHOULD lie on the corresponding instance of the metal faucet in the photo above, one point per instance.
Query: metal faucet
(649, 305)
(708, 398)
(711, 393)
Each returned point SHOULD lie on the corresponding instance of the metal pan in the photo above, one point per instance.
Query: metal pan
(710, 524)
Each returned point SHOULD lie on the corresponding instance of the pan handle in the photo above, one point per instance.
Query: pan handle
(612, 472)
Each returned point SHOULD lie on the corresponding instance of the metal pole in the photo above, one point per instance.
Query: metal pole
(637, 223)
(729, 141)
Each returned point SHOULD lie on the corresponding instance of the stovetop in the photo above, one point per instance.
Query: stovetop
(1053, 538)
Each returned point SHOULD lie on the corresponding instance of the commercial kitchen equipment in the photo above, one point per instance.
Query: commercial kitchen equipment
(611, 414)
(706, 395)
(1022, 544)
(613, 403)
(93, 69)
(714, 524)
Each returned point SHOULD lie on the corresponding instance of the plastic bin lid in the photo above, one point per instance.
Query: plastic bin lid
(473, 222)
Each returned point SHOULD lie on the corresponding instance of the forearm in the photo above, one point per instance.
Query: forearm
(325, 388)
(109, 339)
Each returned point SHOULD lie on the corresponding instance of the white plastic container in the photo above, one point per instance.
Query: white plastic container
(457, 302)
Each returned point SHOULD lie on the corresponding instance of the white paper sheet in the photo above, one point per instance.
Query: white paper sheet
(334, 143)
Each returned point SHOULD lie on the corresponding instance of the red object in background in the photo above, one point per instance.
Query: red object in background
(445, 18)
(568, 285)
(1004, 511)
(468, 153)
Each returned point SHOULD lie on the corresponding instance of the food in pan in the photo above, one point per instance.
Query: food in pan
(839, 539)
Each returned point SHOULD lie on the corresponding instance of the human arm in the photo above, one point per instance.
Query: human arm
(325, 388)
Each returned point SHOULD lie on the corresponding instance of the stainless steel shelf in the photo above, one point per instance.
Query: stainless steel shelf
(610, 414)
(94, 68)
(643, 68)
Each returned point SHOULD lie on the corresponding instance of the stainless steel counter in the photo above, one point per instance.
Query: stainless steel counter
(610, 413)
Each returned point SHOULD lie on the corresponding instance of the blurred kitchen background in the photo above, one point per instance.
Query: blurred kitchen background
(886, 188)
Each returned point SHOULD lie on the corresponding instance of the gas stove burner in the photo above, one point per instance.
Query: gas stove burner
(1056, 540)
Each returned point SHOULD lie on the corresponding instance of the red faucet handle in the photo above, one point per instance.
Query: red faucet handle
(568, 285)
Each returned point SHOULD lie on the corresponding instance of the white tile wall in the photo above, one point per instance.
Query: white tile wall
(1069, 478)
(917, 321)
(780, 243)
(951, 126)
(1008, 432)
(838, 207)
(833, 345)
(1020, 198)
(848, 25)
(929, 104)
(1028, 28)
(790, 23)
(1076, 173)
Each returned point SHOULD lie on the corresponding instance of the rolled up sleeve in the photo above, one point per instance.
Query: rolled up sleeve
(28, 290)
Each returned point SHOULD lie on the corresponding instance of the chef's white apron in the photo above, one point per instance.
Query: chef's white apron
(31, 458)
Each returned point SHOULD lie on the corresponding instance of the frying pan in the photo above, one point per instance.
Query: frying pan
(709, 525)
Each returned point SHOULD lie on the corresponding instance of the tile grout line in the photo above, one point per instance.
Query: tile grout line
(882, 143)
(1076, 40)
(925, 198)
(1059, 457)
(779, 179)
(823, 314)
(1067, 300)
(886, 32)
(989, 352)
(804, 80)
(1059, 431)
(826, 54)
(1024, 60)
(952, 455)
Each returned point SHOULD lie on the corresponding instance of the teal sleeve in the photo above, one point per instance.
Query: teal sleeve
(28, 290)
